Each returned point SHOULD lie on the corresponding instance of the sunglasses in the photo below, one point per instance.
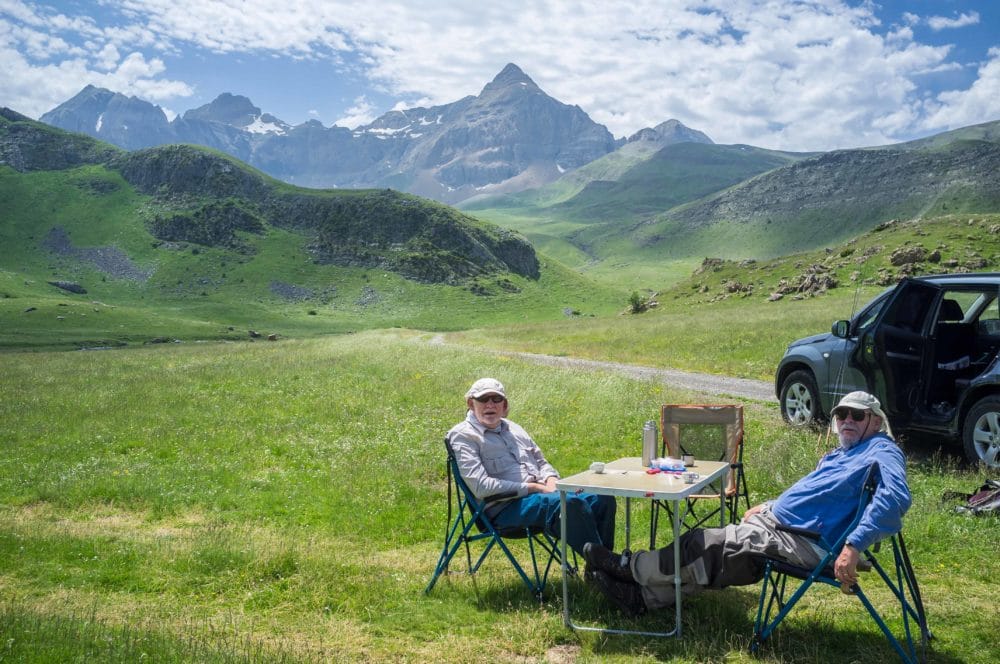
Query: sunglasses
(856, 415)
(495, 398)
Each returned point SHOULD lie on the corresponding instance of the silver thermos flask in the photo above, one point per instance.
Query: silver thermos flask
(650, 434)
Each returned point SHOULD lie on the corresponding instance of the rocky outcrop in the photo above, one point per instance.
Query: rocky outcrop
(26, 146)
(213, 224)
(69, 286)
(190, 171)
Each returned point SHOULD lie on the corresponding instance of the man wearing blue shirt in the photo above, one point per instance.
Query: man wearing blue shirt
(503, 466)
(823, 501)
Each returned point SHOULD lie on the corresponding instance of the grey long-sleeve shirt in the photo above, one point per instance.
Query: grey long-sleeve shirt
(497, 462)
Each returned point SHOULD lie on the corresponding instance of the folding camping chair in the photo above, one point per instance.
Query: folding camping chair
(710, 433)
(470, 513)
(902, 584)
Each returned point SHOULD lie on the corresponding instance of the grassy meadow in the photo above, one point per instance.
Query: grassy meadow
(235, 502)
(64, 225)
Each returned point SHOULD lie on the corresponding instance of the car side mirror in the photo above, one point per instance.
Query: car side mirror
(840, 329)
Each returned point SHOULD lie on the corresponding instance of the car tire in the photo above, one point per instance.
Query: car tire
(981, 432)
(800, 405)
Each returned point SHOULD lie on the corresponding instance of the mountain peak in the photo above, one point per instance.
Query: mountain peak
(227, 108)
(671, 131)
(510, 75)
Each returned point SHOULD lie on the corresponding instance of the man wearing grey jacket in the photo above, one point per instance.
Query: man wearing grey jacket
(497, 457)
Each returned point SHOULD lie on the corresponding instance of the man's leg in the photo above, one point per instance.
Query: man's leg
(541, 510)
(603, 509)
(718, 557)
(589, 518)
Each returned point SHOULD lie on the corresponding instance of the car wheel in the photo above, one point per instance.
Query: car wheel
(981, 433)
(800, 399)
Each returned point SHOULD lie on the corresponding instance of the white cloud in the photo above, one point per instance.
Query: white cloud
(959, 108)
(362, 113)
(108, 57)
(777, 73)
(944, 23)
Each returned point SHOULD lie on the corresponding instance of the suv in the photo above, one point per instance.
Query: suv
(927, 348)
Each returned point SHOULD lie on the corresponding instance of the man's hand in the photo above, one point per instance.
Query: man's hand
(753, 510)
(845, 568)
(548, 486)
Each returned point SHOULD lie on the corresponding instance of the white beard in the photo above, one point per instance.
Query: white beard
(845, 444)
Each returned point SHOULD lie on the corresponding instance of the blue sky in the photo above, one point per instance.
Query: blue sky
(781, 74)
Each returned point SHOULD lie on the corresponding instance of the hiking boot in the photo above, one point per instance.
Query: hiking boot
(626, 595)
(601, 558)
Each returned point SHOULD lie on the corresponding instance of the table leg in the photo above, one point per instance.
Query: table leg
(628, 523)
(565, 564)
(722, 507)
(677, 567)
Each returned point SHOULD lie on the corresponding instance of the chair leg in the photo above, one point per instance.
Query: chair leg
(764, 626)
(907, 593)
(451, 544)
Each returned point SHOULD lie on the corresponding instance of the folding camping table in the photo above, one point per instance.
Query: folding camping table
(627, 478)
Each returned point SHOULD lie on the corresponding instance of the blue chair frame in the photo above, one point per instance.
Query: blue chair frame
(902, 584)
(471, 523)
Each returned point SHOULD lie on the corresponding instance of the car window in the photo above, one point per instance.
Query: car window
(988, 322)
(909, 310)
(956, 305)
(868, 316)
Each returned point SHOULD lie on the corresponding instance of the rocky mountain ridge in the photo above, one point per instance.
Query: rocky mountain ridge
(510, 137)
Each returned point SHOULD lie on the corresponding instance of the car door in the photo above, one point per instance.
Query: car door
(842, 375)
(895, 352)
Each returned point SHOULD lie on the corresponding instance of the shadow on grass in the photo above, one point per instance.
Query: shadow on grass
(934, 451)
(715, 624)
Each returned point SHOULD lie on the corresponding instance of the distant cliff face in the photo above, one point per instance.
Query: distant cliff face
(510, 137)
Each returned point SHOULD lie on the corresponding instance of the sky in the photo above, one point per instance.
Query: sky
(797, 75)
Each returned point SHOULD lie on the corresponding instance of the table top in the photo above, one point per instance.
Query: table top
(628, 477)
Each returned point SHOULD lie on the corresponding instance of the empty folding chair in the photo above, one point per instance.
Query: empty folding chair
(899, 578)
(709, 433)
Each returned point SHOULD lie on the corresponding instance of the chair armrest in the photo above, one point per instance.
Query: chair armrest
(498, 497)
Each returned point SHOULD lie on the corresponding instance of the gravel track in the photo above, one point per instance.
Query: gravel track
(757, 390)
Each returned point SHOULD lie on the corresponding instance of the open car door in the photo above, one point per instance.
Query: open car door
(895, 352)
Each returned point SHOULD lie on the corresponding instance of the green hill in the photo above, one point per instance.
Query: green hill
(102, 247)
(592, 219)
(832, 197)
(653, 220)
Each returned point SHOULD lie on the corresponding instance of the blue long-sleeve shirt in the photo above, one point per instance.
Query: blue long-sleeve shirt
(825, 500)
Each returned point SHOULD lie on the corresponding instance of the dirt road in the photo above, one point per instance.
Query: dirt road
(757, 390)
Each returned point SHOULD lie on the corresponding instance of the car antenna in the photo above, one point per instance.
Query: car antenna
(839, 383)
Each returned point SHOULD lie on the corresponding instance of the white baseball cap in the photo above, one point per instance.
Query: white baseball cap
(863, 401)
(485, 386)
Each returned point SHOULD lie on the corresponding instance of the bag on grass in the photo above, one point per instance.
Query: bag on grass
(986, 500)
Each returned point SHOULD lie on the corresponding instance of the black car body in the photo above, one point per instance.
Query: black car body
(926, 348)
